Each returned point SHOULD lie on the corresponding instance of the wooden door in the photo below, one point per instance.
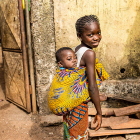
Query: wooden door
(16, 80)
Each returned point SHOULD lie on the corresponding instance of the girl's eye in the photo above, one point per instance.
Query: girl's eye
(90, 35)
(69, 59)
(99, 33)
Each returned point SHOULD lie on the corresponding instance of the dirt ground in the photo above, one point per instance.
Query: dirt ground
(16, 124)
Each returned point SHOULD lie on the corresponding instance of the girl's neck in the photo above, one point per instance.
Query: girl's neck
(85, 45)
(81, 45)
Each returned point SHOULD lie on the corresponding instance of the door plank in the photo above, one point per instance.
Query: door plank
(92, 111)
(133, 123)
(107, 122)
(127, 110)
(104, 132)
(133, 100)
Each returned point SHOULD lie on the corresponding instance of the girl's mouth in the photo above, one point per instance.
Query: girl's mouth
(95, 43)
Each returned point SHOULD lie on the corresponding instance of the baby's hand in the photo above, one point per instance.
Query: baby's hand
(98, 118)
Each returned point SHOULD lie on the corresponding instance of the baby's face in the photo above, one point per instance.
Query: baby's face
(69, 59)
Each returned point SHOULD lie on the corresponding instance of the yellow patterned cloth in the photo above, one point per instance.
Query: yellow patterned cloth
(70, 88)
(101, 74)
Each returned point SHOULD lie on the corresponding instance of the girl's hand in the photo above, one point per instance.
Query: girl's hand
(98, 118)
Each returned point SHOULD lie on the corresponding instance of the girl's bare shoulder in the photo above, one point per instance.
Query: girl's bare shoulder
(89, 58)
(89, 54)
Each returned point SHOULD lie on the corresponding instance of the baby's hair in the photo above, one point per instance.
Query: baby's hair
(81, 22)
(58, 55)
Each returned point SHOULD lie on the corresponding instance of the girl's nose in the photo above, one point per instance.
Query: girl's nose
(95, 37)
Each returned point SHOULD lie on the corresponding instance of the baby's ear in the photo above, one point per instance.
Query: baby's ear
(60, 64)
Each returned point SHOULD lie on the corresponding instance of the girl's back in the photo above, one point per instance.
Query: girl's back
(89, 32)
(80, 55)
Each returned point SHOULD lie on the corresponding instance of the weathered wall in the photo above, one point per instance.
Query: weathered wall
(44, 49)
(120, 24)
(55, 26)
(1, 57)
(118, 51)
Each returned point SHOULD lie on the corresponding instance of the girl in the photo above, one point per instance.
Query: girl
(89, 32)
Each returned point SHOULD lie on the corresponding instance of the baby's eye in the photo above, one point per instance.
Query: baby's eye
(69, 59)
(90, 35)
(99, 33)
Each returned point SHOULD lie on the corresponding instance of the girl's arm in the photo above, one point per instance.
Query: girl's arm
(89, 59)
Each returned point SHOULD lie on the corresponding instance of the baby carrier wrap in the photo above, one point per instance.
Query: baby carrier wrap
(70, 88)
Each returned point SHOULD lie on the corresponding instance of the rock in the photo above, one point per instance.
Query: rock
(126, 88)
(115, 138)
(102, 138)
(50, 120)
(108, 138)
(98, 138)
(135, 138)
(132, 136)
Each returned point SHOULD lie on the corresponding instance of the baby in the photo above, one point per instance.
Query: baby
(70, 85)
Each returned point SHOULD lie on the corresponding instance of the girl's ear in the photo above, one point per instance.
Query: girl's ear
(60, 64)
(79, 36)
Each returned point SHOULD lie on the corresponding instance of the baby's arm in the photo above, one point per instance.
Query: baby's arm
(89, 59)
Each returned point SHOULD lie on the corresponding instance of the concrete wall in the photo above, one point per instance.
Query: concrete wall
(44, 49)
(53, 25)
(120, 25)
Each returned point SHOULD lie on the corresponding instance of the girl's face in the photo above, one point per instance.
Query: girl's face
(69, 59)
(91, 35)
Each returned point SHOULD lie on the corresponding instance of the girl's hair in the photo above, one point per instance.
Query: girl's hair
(81, 22)
(58, 54)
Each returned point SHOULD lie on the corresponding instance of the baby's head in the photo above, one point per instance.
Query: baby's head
(88, 30)
(66, 58)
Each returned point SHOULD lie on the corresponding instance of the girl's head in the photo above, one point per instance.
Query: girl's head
(66, 58)
(88, 30)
